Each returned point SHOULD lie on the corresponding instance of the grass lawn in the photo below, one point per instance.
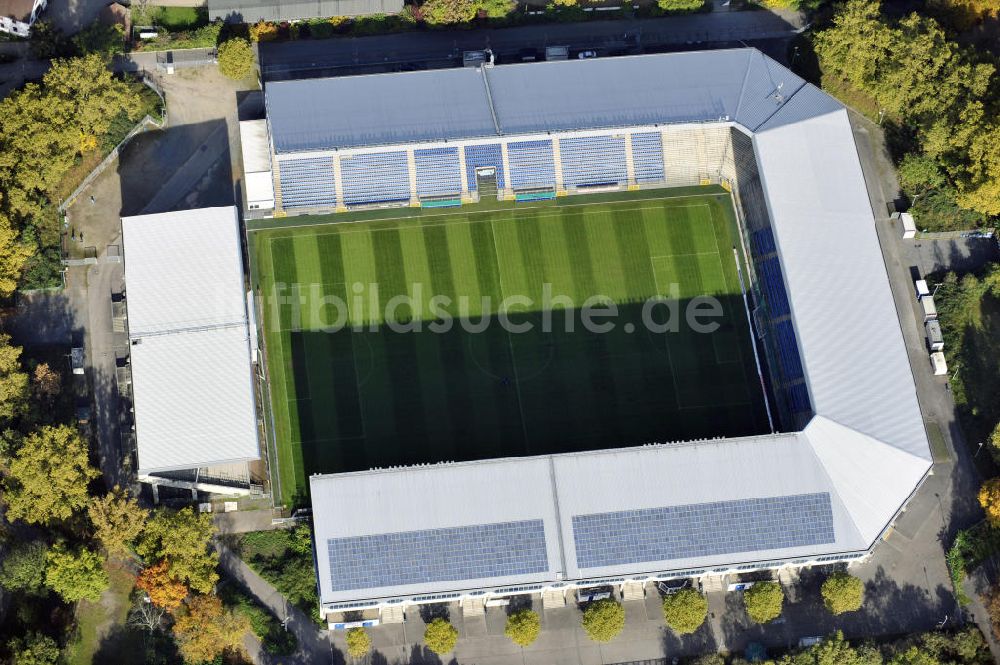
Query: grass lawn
(368, 395)
(100, 620)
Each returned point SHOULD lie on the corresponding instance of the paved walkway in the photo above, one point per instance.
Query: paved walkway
(314, 645)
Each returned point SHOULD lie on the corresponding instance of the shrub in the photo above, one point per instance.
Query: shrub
(523, 627)
(680, 6)
(236, 59)
(264, 31)
(763, 601)
(843, 593)
(440, 636)
(358, 643)
(449, 12)
(603, 620)
(685, 611)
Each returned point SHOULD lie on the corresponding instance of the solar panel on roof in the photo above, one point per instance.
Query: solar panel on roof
(702, 529)
(471, 552)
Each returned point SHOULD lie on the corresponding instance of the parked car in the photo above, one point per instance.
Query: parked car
(584, 55)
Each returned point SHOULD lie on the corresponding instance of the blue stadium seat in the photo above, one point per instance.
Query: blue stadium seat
(647, 156)
(788, 351)
(380, 177)
(762, 242)
(307, 183)
(531, 164)
(485, 155)
(593, 160)
(774, 287)
(438, 172)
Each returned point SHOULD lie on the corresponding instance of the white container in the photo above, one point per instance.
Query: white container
(929, 308)
(920, 286)
(935, 339)
(909, 227)
(938, 364)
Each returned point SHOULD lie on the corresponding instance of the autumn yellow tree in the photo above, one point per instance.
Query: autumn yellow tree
(45, 381)
(48, 477)
(182, 537)
(989, 499)
(204, 630)
(13, 380)
(162, 588)
(118, 520)
(13, 254)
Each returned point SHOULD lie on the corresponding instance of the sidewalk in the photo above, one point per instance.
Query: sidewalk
(314, 643)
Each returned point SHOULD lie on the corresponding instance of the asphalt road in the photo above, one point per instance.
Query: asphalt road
(436, 49)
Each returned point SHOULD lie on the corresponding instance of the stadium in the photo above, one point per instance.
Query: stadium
(467, 467)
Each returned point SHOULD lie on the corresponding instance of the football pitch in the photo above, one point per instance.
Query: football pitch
(364, 370)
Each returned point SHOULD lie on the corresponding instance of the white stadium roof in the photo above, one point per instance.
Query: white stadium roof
(829, 490)
(190, 353)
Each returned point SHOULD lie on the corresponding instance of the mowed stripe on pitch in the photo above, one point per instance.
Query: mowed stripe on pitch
(390, 398)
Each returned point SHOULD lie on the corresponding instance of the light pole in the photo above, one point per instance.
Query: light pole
(881, 114)
(977, 450)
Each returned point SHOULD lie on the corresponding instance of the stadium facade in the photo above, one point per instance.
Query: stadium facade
(849, 447)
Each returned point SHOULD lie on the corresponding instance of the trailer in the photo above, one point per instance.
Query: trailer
(935, 340)
(938, 364)
(909, 226)
(929, 308)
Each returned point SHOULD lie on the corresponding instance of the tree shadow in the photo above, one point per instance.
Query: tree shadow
(431, 611)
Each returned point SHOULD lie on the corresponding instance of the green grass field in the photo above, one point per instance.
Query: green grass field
(364, 395)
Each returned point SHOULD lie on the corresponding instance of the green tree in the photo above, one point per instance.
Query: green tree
(835, 650)
(35, 649)
(685, 610)
(118, 520)
(14, 252)
(523, 627)
(75, 575)
(680, 6)
(763, 601)
(603, 620)
(842, 593)
(495, 8)
(100, 38)
(440, 636)
(23, 568)
(48, 476)
(359, 643)
(918, 173)
(13, 380)
(235, 58)
(44, 128)
(183, 538)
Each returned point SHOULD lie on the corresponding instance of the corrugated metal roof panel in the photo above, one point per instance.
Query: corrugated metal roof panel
(434, 497)
(183, 270)
(378, 109)
(845, 318)
(193, 395)
(190, 354)
(617, 92)
(767, 87)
